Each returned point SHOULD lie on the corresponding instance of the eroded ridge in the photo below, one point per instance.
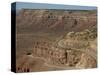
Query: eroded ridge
(55, 40)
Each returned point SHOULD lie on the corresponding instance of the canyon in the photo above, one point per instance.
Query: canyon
(48, 40)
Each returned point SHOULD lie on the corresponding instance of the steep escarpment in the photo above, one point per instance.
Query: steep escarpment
(55, 40)
(56, 21)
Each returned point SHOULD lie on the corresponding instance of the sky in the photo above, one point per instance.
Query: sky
(27, 5)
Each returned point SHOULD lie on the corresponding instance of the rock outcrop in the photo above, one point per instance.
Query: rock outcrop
(55, 39)
(54, 20)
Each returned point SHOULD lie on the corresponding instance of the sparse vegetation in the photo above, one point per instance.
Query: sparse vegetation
(55, 39)
(87, 34)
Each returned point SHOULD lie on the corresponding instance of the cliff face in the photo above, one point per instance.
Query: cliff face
(54, 20)
(55, 39)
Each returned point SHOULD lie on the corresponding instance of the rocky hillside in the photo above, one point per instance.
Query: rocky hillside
(29, 21)
(55, 40)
